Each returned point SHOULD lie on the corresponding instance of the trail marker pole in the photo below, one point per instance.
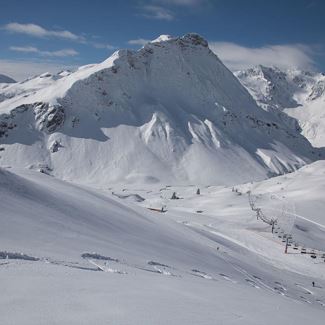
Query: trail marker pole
(286, 249)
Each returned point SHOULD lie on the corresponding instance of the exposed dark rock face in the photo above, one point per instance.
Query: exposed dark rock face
(48, 118)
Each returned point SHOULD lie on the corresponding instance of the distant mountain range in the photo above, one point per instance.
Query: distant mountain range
(299, 94)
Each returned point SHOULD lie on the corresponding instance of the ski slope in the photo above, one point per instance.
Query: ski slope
(79, 255)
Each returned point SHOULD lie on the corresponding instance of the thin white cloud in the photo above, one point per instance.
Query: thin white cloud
(164, 9)
(40, 32)
(21, 69)
(31, 49)
(157, 12)
(24, 49)
(237, 57)
(186, 3)
(103, 46)
(60, 53)
(139, 41)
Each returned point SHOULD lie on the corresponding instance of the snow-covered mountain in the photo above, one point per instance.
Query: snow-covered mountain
(169, 112)
(105, 247)
(298, 94)
(6, 79)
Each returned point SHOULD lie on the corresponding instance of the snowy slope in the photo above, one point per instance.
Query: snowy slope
(29, 86)
(299, 94)
(71, 254)
(169, 112)
(6, 79)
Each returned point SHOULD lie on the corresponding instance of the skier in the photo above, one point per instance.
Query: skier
(313, 284)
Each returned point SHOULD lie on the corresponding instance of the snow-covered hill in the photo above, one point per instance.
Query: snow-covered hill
(71, 254)
(6, 79)
(170, 112)
(299, 94)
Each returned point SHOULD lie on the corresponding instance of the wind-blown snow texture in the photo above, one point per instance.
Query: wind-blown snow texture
(71, 254)
(170, 112)
(299, 94)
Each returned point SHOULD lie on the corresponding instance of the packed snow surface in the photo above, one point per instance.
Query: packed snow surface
(79, 255)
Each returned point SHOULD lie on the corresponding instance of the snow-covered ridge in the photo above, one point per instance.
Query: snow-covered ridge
(6, 79)
(298, 94)
(169, 112)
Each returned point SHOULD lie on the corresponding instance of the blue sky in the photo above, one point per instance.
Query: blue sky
(44, 35)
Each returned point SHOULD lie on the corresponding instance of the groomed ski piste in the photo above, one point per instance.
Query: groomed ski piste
(71, 254)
